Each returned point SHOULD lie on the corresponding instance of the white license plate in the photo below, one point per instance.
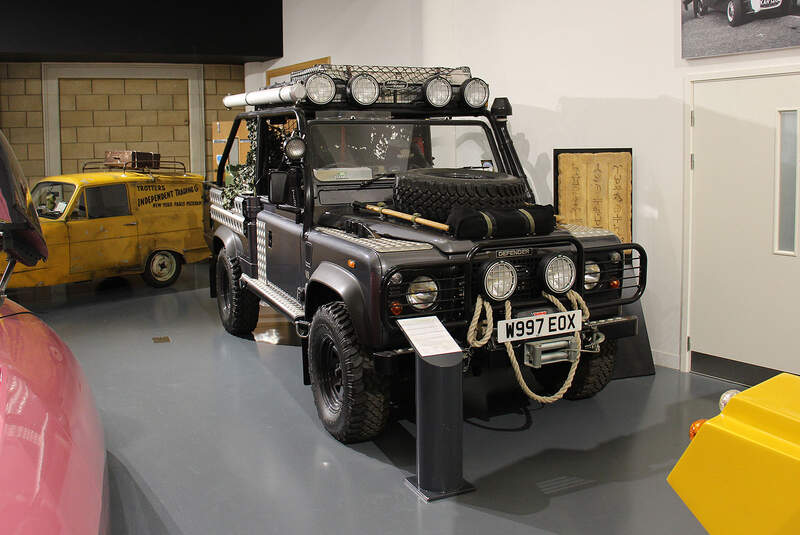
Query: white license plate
(538, 326)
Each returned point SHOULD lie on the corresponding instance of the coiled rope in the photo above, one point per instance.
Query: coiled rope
(487, 327)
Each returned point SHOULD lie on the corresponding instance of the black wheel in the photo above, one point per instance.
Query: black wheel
(162, 269)
(352, 400)
(735, 12)
(593, 373)
(700, 7)
(238, 307)
(432, 193)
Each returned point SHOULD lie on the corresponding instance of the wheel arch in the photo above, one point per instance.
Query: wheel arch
(223, 238)
(329, 283)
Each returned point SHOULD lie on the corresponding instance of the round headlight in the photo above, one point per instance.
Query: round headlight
(438, 92)
(422, 293)
(294, 148)
(726, 397)
(591, 275)
(559, 273)
(364, 89)
(475, 92)
(500, 280)
(320, 88)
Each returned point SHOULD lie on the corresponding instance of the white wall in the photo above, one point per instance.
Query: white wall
(377, 32)
(579, 74)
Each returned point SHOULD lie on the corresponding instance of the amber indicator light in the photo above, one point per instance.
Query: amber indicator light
(396, 308)
(695, 427)
(614, 283)
(351, 264)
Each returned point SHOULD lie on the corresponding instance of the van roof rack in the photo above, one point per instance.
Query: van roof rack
(135, 160)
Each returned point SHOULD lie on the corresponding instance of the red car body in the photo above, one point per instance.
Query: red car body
(52, 453)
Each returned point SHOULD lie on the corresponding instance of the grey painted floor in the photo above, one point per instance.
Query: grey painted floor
(212, 434)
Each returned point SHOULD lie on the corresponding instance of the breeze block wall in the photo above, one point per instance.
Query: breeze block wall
(98, 115)
(21, 115)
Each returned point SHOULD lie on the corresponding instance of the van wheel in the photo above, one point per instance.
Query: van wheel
(162, 269)
(238, 307)
(352, 399)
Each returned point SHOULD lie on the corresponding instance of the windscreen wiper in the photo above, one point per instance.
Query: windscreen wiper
(376, 177)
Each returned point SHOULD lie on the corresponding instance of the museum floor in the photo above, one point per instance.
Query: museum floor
(211, 434)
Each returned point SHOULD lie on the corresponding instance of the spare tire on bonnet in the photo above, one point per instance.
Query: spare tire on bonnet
(432, 193)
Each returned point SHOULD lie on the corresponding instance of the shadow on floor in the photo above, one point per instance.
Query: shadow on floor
(134, 510)
(526, 487)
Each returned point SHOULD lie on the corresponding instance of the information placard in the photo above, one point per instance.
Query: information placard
(428, 336)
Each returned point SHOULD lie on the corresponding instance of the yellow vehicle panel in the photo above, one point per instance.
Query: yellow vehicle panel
(163, 213)
(741, 473)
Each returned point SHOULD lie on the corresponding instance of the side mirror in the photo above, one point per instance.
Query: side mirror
(278, 187)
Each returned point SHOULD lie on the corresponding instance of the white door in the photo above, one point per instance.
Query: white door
(744, 293)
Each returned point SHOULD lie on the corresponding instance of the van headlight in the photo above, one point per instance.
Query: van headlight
(591, 275)
(422, 293)
(559, 273)
(500, 280)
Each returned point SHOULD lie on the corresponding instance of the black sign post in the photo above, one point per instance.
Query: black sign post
(439, 400)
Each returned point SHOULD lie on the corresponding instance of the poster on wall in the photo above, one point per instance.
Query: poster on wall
(593, 188)
(721, 27)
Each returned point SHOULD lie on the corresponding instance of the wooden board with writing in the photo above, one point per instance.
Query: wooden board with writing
(594, 189)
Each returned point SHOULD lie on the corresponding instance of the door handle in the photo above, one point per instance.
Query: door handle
(130, 224)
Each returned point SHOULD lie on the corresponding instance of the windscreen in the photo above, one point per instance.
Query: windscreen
(51, 198)
(22, 235)
(342, 152)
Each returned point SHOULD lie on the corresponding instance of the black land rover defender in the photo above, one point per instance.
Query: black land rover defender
(385, 193)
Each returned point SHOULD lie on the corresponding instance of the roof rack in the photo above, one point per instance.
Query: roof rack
(399, 85)
(135, 160)
(396, 85)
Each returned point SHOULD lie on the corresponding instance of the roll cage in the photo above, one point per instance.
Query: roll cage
(305, 115)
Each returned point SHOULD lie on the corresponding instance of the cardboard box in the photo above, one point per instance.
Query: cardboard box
(219, 137)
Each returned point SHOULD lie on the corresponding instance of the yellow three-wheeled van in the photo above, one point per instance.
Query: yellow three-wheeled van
(136, 214)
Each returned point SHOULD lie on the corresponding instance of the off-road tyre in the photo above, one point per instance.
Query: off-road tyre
(735, 12)
(162, 269)
(238, 307)
(593, 373)
(432, 193)
(358, 409)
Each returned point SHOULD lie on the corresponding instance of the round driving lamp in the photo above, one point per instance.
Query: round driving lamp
(500, 280)
(294, 148)
(320, 88)
(559, 273)
(591, 275)
(726, 397)
(438, 92)
(475, 93)
(422, 293)
(364, 89)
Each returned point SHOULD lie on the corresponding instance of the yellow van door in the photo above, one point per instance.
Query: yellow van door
(102, 231)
